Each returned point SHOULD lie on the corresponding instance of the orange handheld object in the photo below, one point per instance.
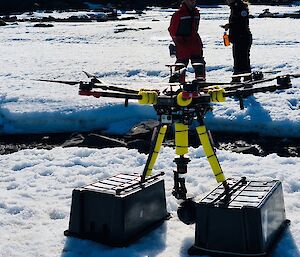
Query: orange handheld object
(226, 39)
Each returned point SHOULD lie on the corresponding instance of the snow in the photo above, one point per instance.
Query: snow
(36, 185)
(36, 188)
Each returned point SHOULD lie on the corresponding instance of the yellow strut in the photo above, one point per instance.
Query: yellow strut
(160, 138)
(210, 153)
(181, 138)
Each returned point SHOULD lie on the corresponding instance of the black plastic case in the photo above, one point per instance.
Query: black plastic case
(118, 210)
(249, 224)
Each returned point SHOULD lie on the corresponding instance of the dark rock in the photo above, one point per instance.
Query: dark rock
(142, 130)
(8, 149)
(146, 28)
(123, 30)
(295, 15)
(93, 140)
(8, 18)
(103, 19)
(118, 30)
(267, 14)
(2, 23)
(100, 141)
(78, 19)
(48, 19)
(43, 25)
(139, 137)
(246, 150)
(293, 151)
(143, 146)
(127, 18)
(75, 140)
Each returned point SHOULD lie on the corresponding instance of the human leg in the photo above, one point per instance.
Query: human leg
(179, 76)
(198, 64)
(241, 56)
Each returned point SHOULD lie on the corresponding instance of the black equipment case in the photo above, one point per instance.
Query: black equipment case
(117, 210)
(247, 224)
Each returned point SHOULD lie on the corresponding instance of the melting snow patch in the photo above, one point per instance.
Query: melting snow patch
(56, 214)
(12, 186)
(15, 210)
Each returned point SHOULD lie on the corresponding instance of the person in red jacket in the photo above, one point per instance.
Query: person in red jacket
(184, 32)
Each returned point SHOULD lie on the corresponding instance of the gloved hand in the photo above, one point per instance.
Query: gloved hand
(226, 26)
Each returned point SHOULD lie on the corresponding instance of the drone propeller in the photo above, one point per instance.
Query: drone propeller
(89, 75)
(72, 83)
(110, 87)
(93, 77)
(175, 74)
(92, 84)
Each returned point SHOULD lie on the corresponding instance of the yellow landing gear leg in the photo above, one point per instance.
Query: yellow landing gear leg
(156, 142)
(211, 155)
(181, 142)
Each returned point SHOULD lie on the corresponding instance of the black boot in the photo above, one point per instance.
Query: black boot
(235, 80)
(247, 78)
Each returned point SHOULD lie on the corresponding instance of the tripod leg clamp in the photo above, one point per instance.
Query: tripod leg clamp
(179, 190)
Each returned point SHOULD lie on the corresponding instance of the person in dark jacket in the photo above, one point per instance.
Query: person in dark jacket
(240, 37)
(184, 31)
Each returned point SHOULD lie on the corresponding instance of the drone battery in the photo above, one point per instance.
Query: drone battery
(248, 224)
(118, 210)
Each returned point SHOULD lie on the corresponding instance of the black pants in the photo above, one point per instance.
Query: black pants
(241, 55)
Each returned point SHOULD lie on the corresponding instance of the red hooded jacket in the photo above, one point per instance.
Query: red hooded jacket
(184, 32)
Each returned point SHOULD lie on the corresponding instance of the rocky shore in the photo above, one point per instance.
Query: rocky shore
(139, 137)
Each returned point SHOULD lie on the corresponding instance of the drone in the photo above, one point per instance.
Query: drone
(180, 105)
(120, 209)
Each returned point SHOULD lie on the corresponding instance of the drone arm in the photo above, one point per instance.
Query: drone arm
(115, 88)
(98, 94)
(250, 91)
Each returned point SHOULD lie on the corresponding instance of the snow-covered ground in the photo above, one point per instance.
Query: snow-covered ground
(36, 188)
(36, 185)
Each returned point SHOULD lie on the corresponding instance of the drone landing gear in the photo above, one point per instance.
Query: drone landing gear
(179, 190)
(186, 211)
(181, 142)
